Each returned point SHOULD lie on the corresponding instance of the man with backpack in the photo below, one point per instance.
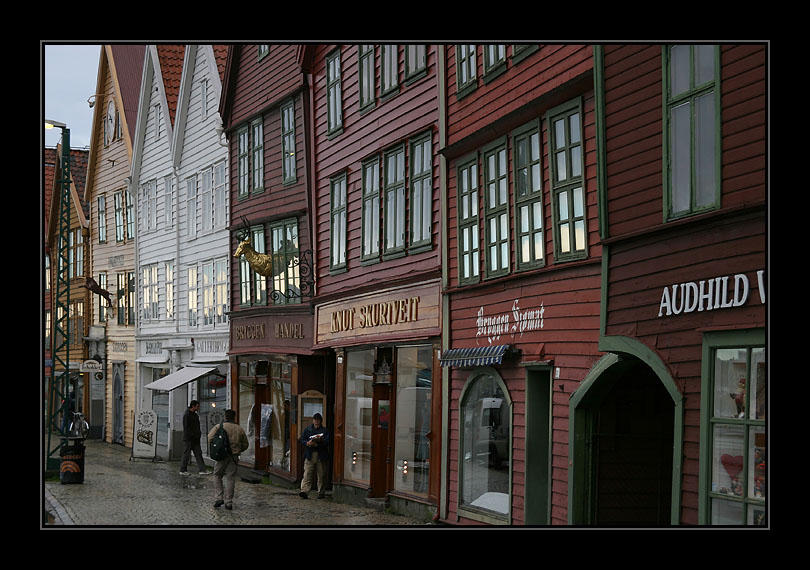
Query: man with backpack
(235, 441)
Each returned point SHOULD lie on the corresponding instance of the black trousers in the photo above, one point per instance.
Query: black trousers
(190, 446)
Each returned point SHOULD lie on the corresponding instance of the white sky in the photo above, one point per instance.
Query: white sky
(69, 76)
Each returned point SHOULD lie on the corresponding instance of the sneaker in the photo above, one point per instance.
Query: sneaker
(303, 495)
(204, 473)
(184, 473)
(219, 503)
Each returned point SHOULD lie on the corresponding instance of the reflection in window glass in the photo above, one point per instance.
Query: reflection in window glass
(485, 448)
(211, 393)
(357, 447)
(413, 405)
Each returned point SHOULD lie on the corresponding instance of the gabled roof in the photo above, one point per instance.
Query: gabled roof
(78, 176)
(171, 68)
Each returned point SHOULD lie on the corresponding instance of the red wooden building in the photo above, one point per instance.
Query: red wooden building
(523, 273)
(670, 426)
(277, 379)
(376, 212)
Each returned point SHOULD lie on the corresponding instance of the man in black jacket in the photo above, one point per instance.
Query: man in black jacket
(316, 444)
(191, 439)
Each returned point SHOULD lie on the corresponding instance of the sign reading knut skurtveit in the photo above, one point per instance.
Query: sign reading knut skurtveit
(711, 294)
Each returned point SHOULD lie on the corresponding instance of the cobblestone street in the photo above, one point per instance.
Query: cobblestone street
(118, 492)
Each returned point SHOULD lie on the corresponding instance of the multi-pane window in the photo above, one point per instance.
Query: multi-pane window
(469, 252)
(243, 146)
(494, 57)
(415, 59)
(47, 272)
(214, 291)
(149, 202)
(334, 93)
(130, 207)
(168, 201)
(158, 117)
(252, 285)
(567, 183)
(207, 198)
(692, 134)
(288, 142)
(191, 206)
(389, 70)
(47, 330)
(149, 292)
(75, 323)
(528, 197)
(371, 208)
(118, 203)
(736, 386)
(257, 154)
(102, 302)
(465, 67)
(286, 271)
(262, 50)
(75, 254)
(421, 191)
(102, 219)
(365, 54)
(219, 195)
(394, 199)
(125, 291)
(193, 312)
(338, 221)
(204, 98)
(169, 290)
(496, 209)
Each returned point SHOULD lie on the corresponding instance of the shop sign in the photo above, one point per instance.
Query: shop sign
(145, 428)
(90, 366)
(509, 324)
(412, 310)
(281, 331)
(709, 294)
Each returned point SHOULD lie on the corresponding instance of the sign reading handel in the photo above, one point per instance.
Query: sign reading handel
(709, 294)
(407, 309)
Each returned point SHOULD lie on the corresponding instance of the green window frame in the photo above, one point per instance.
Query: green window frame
(334, 94)
(243, 162)
(262, 50)
(567, 162)
(527, 156)
(469, 262)
(389, 69)
(284, 246)
(371, 209)
(494, 60)
(257, 155)
(496, 208)
(733, 439)
(415, 61)
(366, 71)
(691, 138)
(421, 191)
(252, 285)
(466, 76)
(337, 226)
(288, 168)
(394, 201)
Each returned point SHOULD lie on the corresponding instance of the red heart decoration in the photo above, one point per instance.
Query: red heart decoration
(733, 464)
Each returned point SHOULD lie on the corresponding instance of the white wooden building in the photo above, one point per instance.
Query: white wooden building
(182, 246)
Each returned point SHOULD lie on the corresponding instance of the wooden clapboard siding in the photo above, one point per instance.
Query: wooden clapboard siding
(394, 120)
(647, 255)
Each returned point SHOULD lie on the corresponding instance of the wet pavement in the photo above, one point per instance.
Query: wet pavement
(118, 491)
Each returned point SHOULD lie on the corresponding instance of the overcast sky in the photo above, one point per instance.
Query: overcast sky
(69, 76)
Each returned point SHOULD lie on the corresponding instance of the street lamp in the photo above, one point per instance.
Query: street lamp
(60, 351)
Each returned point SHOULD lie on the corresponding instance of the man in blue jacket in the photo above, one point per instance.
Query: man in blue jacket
(316, 445)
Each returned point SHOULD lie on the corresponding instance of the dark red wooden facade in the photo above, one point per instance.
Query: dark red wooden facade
(271, 339)
(387, 121)
(548, 313)
(647, 252)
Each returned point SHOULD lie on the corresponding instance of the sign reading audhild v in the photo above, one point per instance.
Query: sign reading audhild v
(710, 294)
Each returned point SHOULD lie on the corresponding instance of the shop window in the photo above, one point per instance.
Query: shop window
(357, 447)
(413, 411)
(735, 384)
(211, 393)
(484, 463)
(275, 418)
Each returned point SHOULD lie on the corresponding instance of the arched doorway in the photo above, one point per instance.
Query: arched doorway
(625, 446)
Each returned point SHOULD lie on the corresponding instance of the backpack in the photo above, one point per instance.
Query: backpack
(220, 446)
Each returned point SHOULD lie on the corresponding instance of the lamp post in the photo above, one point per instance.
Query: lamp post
(58, 404)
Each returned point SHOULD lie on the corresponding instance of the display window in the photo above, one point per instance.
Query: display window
(357, 447)
(485, 445)
(736, 433)
(414, 385)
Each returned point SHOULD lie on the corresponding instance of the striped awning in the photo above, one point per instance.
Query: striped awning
(476, 356)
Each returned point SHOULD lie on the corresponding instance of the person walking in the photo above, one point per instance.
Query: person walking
(191, 439)
(316, 445)
(225, 469)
